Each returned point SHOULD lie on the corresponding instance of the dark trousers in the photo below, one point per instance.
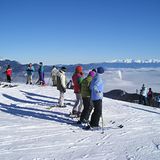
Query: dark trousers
(97, 113)
(144, 100)
(8, 78)
(86, 110)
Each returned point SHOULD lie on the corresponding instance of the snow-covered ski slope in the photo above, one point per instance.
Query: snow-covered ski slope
(29, 131)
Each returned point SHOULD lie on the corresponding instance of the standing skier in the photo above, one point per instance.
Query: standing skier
(96, 87)
(30, 70)
(54, 75)
(8, 73)
(61, 85)
(86, 96)
(144, 94)
(41, 74)
(150, 97)
(77, 79)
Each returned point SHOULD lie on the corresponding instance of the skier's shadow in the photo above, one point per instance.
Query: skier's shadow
(35, 113)
(42, 96)
(38, 101)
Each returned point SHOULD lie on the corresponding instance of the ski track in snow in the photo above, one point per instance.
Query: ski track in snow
(29, 131)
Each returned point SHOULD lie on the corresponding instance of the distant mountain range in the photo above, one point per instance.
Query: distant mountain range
(127, 63)
(134, 61)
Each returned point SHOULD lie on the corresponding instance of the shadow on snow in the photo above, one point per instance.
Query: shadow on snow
(35, 113)
(43, 96)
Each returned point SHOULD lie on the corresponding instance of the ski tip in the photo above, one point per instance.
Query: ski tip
(120, 126)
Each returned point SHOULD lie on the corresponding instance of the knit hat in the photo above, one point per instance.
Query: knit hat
(92, 74)
(100, 70)
(63, 69)
(94, 70)
(79, 69)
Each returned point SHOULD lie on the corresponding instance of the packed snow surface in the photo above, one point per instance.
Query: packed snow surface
(30, 131)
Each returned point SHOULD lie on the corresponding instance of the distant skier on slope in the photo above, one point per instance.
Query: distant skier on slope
(30, 70)
(96, 87)
(41, 74)
(144, 94)
(150, 97)
(61, 85)
(8, 73)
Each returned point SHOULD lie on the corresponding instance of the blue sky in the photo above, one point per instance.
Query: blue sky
(79, 31)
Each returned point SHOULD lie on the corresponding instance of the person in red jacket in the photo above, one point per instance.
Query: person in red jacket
(8, 73)
(77, 79)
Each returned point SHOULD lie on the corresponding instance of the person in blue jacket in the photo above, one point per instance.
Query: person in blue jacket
(41, 74)
(30, 70)
(96, 88)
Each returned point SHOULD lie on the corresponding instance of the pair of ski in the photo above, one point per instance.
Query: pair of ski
(102, 128)
(57, 105)
(87, 127)
(9, 86)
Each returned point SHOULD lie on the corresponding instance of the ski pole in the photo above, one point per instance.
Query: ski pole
(102, 124)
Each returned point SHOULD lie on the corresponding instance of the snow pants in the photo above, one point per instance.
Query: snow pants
(29, 79)
(78, 106)
(9, 78)
(97, 104)
(61, 99)
(88, 106)
(41, 78)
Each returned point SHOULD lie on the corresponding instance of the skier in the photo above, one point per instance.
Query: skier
(150, 97)
(8, 73)
(144, 94)
(77, 79)
(86, 96)
(96, 87)
(41, 74)
(30, 70)
(54, 75)
(61, 85)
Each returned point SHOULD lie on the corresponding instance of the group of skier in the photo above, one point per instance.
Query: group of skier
(29, 73)
(147, 97)
(88, 92)
(30, 70)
